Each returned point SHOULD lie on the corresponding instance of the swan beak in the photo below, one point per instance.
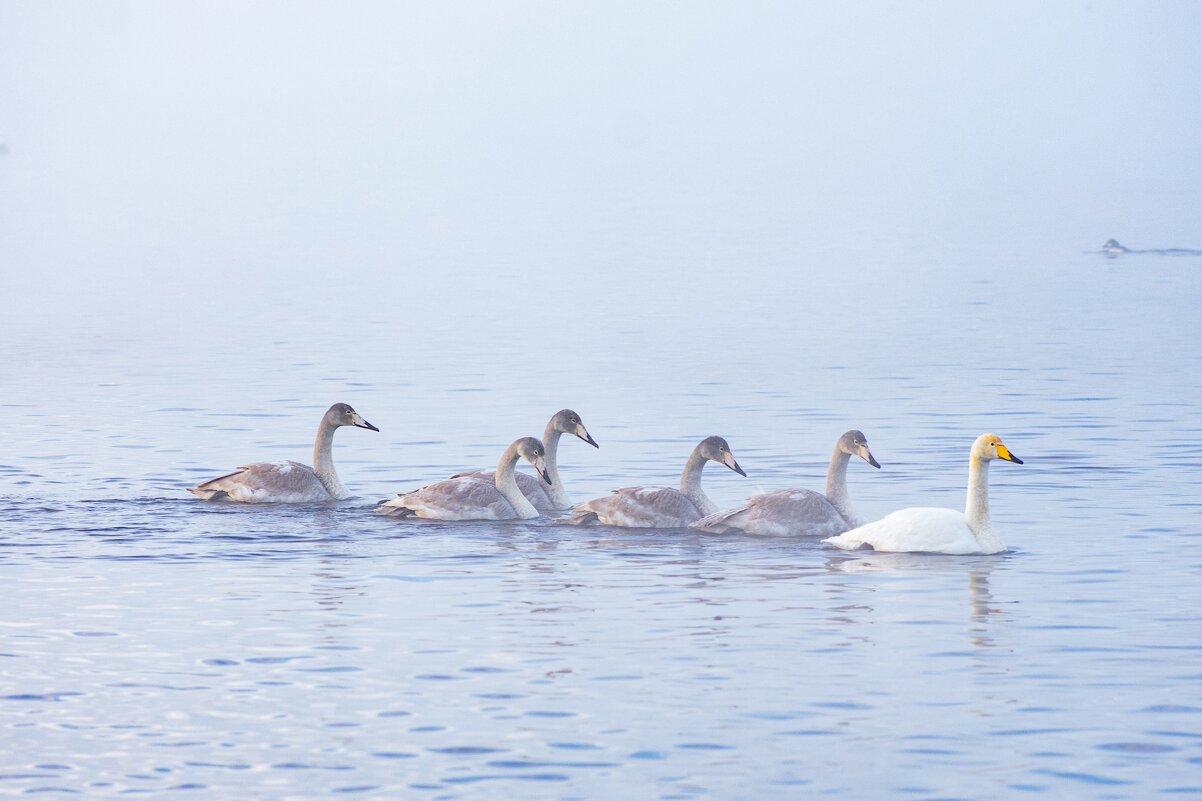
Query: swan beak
(582, 432)
(361, 423)
(867, 456)
(729, 461)
(1004, 453)
(541, 467)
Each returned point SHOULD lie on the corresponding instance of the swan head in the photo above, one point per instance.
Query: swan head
(567, 421)
(716, 450)
(856, 444)
(530, 449)
(989, 447)
(341, 414)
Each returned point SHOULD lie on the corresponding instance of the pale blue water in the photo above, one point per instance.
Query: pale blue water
(154, 644)
(771, 222)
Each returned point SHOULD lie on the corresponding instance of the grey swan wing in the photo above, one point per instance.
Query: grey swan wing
(639, 507)
(265, 482)
(533, 488)
(465, 498)
(781, 513)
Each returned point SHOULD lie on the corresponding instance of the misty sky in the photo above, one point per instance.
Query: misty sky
(229, 147)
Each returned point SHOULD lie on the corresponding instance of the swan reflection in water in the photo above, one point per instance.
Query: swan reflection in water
(983, 608)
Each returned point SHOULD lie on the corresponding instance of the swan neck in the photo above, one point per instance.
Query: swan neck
(323, 461)
(976, 511)
(507, 485)
(556, 492)
(690, 483)
(836, 486)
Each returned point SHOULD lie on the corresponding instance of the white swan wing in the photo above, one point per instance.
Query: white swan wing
(265, 482)
(464, 498)
(533, 488)
(919, 529)
(780, 513)
(639, 507)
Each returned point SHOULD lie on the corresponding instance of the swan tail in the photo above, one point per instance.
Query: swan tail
(395, 507)
(213, 489)
(720, 522)
(582, 517)
(845, 542)
(395, 511)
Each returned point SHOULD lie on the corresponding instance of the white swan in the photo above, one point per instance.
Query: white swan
(793, 511)
(547, 498)
(932, 530)
(474, 498)
(290, 482)
(660, 507)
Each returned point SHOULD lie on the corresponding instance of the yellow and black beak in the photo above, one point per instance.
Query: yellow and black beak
(730, 461)
(1004, 453)
(867, 456)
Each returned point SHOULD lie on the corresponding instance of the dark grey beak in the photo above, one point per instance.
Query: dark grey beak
(589, 439)
(546, 476)
(737, 469)
(366, 425)
(872, 461)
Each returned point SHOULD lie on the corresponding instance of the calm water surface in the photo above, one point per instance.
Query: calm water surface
(154, 644)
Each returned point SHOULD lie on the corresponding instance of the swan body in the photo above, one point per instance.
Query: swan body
(547, 497)
(936, 530)
(799, 511)
(471, 497)
(925, 529)
(535, 489)
(778, 514)
(289, 482)
(660, 507)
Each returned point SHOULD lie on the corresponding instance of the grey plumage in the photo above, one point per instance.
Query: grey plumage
(660, 507)
(544, 497)
(471, 497)
(462, 498)
(799, 511)
(530, 486)
(287, 481)
(778, 513)
(278, 482)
